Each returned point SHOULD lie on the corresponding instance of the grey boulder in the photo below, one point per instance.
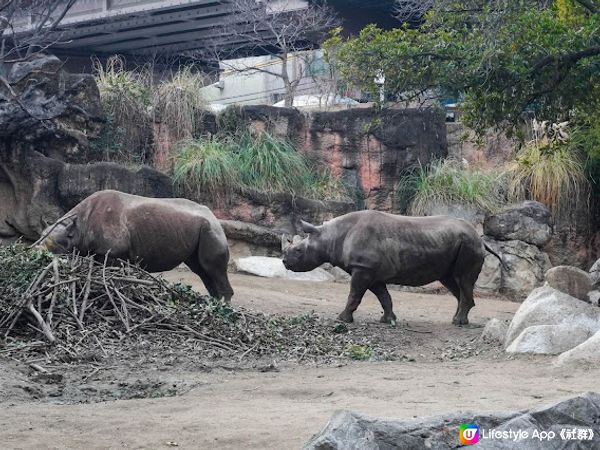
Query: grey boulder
(528, 222)
(352, 431)
(570, 280)
(567, 322)
(526, 265)
(585, 355)
(495, 331)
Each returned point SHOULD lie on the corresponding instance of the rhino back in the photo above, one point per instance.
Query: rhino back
(160, 232)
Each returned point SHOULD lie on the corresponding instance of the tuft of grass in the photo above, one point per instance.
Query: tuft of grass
(271, 164)
(178, 102)
(205, 166)
(127, 133)
(447, 182)
(549, 169)
(360, 352)
(323, 185)
(221, 166)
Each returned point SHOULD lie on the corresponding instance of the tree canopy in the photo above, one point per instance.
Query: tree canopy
(500, 57)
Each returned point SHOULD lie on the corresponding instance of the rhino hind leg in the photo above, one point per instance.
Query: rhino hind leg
(454, 289)
(467, 268)
(360, 282)
(383, 295)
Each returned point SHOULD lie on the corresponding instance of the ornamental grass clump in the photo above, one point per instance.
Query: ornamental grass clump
(271, 164)
(448, 183)
(205, 166)
(178, 102)
(549, 169)
(125, 97)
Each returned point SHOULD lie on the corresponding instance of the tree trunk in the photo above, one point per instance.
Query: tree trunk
(289, 87)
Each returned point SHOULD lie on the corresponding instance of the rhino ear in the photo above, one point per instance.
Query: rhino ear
(309, 228)
(286, 241)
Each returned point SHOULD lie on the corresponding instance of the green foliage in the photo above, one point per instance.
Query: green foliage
(549, 169)
(360, 352)
(205, 165)
(19, 268)
(504, 57)
(125, 96)
(178, 102)
(446, 182)
(222, 165)
(324, 185)
(270, 164)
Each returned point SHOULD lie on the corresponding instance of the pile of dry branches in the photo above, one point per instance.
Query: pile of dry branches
(76, 304)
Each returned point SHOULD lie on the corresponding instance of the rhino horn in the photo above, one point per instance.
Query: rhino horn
(309, 228)
(286, 241)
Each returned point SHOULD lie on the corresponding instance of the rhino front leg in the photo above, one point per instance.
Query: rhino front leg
(358, 286)
(380, 290)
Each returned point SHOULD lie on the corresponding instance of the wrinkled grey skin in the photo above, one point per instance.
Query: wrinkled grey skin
(158, 233)
(377, 248)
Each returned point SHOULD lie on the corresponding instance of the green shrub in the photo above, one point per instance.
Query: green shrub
(125, 97)
(360, 352)
(178, 102)
(323, 185)
(446, 182)
(205, 165)
(271, 164)
(549, 169)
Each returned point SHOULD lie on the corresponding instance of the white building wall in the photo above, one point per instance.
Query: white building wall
(240, 84)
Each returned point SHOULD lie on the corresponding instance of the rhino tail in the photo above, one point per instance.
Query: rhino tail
(489, 249)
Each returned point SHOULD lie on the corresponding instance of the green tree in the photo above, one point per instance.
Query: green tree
(503, 57)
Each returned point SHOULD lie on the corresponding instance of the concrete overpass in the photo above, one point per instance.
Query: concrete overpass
(147, 28)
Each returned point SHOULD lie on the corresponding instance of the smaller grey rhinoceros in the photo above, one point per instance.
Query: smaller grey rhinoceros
(377, 248)
(159, 233)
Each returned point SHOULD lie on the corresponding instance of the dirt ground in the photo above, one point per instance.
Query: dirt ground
(180, 401)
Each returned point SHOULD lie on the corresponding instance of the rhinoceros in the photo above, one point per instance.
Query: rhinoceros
(159, 233)
(377, 248)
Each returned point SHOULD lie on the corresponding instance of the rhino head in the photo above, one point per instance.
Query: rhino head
(303, 254)
(61, 237)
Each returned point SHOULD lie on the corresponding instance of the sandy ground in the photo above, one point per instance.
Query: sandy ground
(235, 409)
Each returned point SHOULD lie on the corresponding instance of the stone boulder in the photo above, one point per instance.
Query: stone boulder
(264, 266)
(586, 354)
(528, 222)
(570, 280)
(549, 339)
(526, 265)
(352, 431)
(495, 331)
(550, 321)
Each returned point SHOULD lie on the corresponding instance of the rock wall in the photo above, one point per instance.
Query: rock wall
(367, 148)
(47, 119)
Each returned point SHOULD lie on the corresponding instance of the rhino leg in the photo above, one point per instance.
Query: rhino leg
(380, 290)
(195, 267)
(465, 303)
(453, 287)
(358, 286)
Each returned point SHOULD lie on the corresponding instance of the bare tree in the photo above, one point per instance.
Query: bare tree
(412, 10)
(27, 28)
(279, 28)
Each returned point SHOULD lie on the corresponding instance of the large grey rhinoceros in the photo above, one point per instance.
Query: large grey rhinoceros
(159, 233)
(377, 248)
